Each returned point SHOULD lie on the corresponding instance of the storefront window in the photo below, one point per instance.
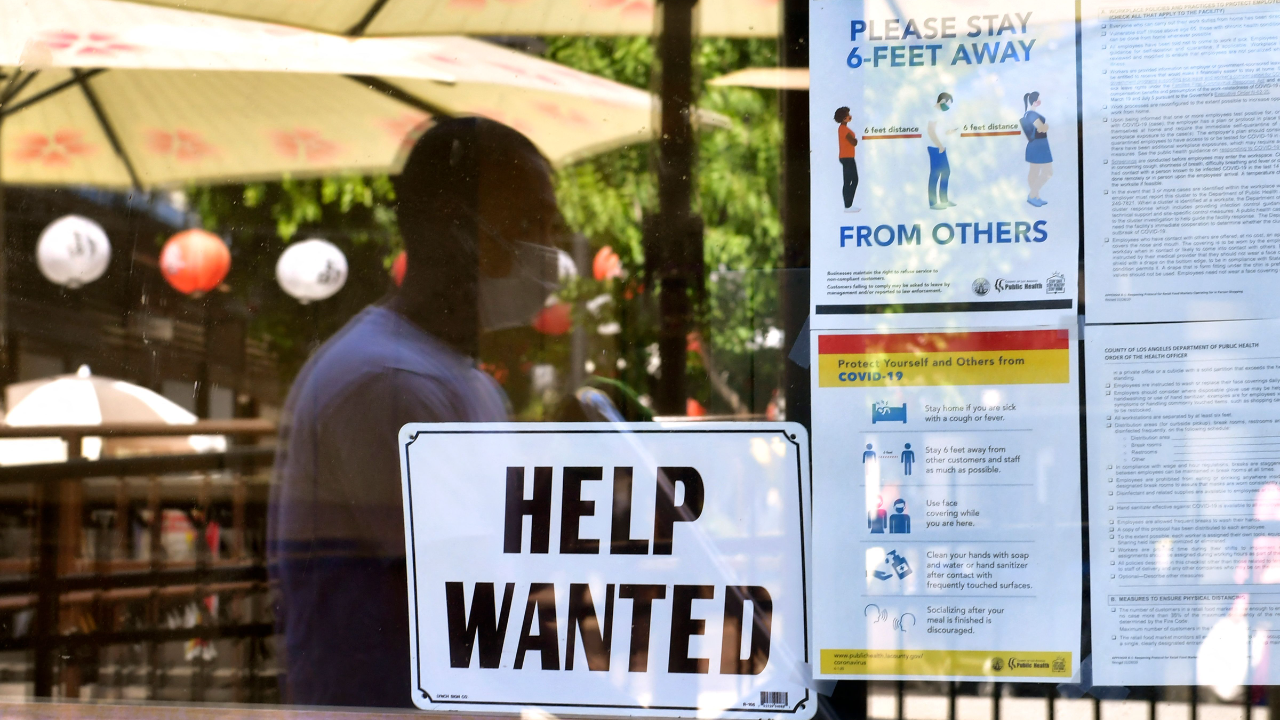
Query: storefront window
(672, 358)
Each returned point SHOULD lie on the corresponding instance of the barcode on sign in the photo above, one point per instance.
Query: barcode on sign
(773, 699)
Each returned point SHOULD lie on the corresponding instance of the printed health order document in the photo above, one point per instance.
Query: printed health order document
(1184, 502)
(1181, 129)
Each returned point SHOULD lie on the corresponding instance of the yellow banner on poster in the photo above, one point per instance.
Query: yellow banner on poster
(943, 663)
(1019, 357)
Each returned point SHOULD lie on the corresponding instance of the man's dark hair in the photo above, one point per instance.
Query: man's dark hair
(841, 114)
(945, 97)
(439, 214)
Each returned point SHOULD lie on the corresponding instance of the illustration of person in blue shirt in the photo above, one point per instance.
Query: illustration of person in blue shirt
(908, 457)
(876, 518)
(939, 128)
(869, 455)
(1036, 128)
(899, 521)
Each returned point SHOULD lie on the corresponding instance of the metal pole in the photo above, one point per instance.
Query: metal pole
(48, 547)
(578, 348)
(15, 84)
(794, 285)
(46, 618)
(849, 700)
(673, 238)
(8, 373)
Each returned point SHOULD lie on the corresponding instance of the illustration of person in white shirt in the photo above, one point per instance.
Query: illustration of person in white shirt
(939, 128)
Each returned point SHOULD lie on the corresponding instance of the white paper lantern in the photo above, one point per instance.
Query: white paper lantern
(73, 251)
(311, 270)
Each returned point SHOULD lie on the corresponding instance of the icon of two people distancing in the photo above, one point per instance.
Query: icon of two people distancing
(907, 458)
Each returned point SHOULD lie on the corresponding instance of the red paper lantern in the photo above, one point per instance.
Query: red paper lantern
(693, 408)
(398, 268)
(194, 261)
(554, 320)
(606, 265)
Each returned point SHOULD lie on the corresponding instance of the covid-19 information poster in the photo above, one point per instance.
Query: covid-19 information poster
(946, 490)
(944, 161)
(946, 432)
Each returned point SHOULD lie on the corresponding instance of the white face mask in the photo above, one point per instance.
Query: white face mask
(514, 300)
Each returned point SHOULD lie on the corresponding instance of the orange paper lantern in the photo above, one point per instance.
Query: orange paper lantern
(398, 268)
(606, 265)
(554, 320)
(195, 261)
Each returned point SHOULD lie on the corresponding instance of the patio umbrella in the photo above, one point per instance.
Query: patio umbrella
(727, 18)
(85, 399)
(767, 78)
(118, 94)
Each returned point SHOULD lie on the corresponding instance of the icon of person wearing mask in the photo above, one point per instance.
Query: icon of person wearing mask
(900, 521)
(940, 128)
(477, 210)
(1038, 156)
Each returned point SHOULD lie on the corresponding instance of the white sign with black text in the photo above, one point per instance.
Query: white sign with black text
(654, 569)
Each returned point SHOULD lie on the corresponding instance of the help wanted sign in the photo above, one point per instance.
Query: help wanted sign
(591, 568)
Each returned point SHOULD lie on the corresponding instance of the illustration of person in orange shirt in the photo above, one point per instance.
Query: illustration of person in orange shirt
(848, 149)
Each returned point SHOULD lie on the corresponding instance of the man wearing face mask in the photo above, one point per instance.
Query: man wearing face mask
(940, 129)
(477, 211)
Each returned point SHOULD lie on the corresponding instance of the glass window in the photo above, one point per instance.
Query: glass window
(672, 358)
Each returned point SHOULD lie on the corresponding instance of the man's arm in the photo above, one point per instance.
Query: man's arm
(933, 134)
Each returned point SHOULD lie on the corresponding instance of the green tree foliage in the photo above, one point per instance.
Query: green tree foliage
(606, 198)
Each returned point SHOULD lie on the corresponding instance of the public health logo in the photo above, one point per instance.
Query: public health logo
(981, 287)
(997, 664)
(1056, 284)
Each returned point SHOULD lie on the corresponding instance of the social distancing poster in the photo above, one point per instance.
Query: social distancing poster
(943, 161)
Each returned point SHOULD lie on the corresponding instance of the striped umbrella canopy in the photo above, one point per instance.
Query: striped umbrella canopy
(717, 18)
(117, 94)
